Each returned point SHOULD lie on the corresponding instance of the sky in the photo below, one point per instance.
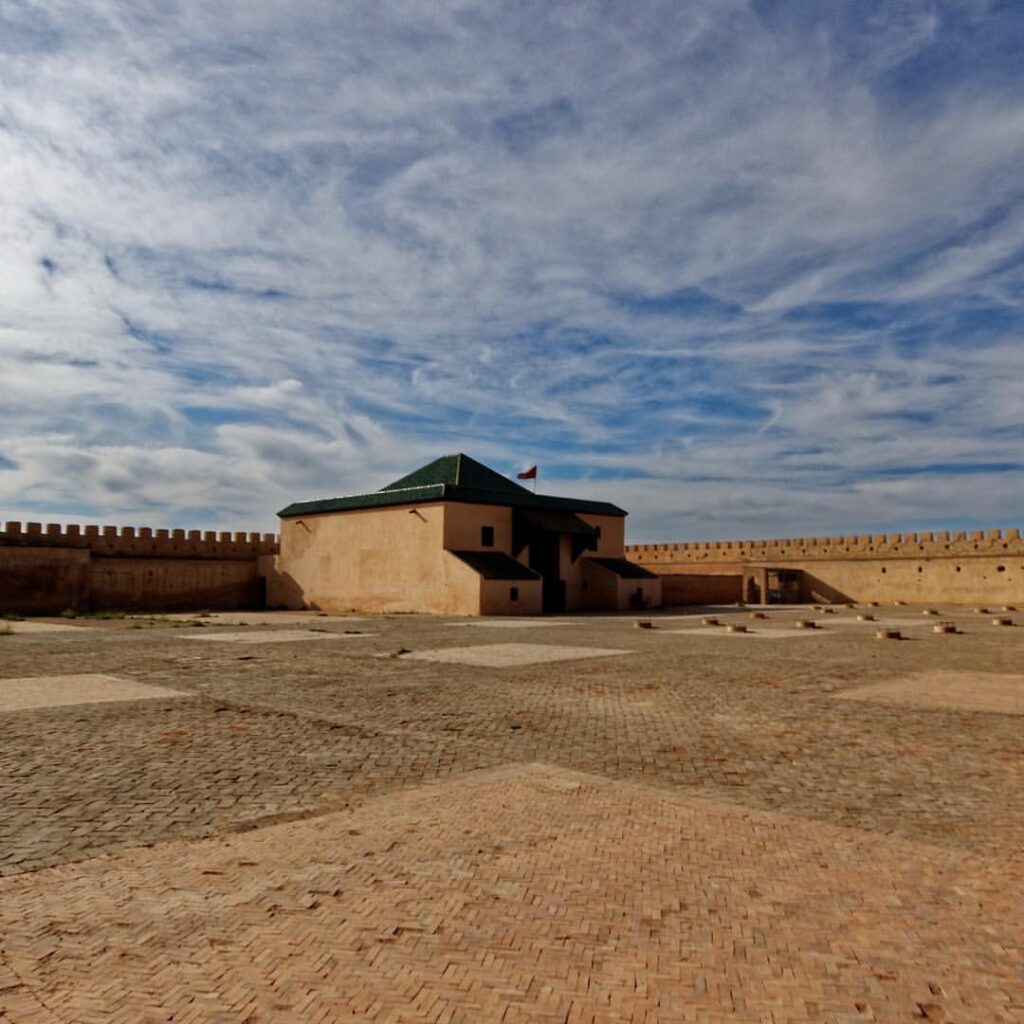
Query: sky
(748, 268)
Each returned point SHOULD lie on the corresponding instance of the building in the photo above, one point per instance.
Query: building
(455, 537)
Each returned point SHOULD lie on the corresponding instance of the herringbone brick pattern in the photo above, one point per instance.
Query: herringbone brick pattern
(742, 846)
(296, 728)
(86, 781)
(521, 894)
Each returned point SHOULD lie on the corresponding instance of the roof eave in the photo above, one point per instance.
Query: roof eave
(447, 492)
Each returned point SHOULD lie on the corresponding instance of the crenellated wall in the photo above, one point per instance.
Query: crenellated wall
(960, 568)
(46, 569)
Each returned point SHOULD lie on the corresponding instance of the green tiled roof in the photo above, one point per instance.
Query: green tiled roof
(466, 486)
(458, 471)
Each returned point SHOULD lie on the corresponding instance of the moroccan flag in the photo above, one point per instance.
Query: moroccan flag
(528, 474)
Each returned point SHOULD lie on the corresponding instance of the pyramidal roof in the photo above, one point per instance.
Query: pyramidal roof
(451, 478)
(457, 471)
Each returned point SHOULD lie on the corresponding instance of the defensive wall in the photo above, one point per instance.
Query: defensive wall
(978, 567)
(47, 569)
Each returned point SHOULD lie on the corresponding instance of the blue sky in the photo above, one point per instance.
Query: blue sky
(747, 268)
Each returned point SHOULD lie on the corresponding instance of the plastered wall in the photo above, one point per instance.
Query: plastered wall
(579, 593)
(47, 569)
(496, 599)
(399, 560)
(373, 560)
(960, 568)
(463, 522)
(701, 588)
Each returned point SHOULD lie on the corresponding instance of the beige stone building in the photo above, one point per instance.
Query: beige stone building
(455, 537)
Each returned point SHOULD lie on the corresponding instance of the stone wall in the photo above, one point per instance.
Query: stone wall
(701, 588)
(45, 570)
(979, 567)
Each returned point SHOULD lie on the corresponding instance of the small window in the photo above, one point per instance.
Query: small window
(513, 593)
(487, 536)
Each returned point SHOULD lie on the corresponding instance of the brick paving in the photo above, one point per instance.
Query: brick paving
(523, 894)
(109, 776)
(748, 736)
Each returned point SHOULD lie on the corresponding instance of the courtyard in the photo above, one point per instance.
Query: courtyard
(265, 817)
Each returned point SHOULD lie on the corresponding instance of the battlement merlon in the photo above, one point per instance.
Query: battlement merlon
(140, 542)
(929, 544)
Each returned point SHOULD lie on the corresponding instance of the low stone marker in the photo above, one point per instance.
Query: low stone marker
(888, 634)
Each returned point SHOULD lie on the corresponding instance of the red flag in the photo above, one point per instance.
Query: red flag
(529, 474)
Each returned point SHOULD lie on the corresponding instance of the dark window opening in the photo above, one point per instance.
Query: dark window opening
(487, 536)
(513, 593)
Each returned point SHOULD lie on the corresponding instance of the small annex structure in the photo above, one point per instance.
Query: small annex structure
(457, 538)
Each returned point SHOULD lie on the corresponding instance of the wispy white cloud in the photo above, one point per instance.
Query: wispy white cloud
(744, 267)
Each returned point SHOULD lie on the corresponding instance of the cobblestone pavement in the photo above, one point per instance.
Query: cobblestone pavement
(276, 732)
(525, 894)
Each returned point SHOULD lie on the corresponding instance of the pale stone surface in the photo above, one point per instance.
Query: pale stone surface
(959, 691)
(277, 636)
(514, 623)
(883, 620)
(753, 633)
(46, 627)
(59, 691)
(509, 655)
(261, 618)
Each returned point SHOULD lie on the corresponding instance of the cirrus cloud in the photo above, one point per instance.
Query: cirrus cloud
(746, 268)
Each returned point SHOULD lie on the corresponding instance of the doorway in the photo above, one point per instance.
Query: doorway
(544, 560)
